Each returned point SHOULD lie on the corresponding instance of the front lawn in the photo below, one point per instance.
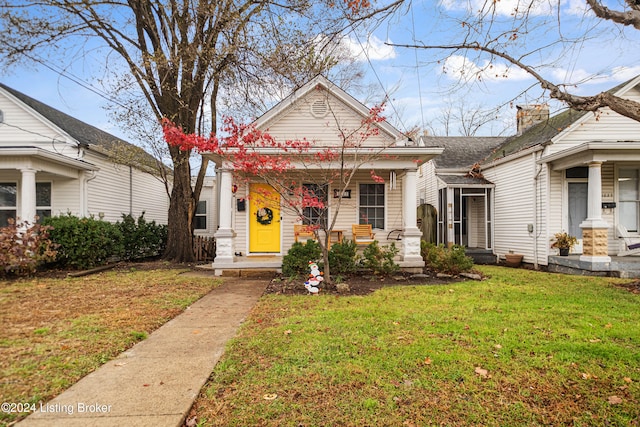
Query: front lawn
(520, 348)
(55, 331)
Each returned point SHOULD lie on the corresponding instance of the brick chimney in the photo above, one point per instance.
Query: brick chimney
(530, 115)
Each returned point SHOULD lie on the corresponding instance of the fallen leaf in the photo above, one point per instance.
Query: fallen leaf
(195, 332)
(427, 361)
(481, 372)
(595, 340)
(466, 327)
(614, 400)
(498, 346)
(608, 326)
(120, 364)
(627, 380)
(288, 332)
(586, 376)
(270, 396)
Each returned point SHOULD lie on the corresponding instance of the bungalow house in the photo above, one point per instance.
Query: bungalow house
(53, 164)
(577, 172)
(323, 114)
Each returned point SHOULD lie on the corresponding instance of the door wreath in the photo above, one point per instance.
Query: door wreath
(264, 216)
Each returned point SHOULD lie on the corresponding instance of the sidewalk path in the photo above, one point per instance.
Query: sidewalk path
(156, 382)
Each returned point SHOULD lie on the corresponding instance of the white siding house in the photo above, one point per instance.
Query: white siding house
(53, 164)
(328, 118)
(574, 172)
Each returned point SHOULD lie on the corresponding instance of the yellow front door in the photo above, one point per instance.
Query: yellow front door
(264, 219)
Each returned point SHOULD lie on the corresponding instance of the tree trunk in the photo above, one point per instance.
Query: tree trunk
(180, 235)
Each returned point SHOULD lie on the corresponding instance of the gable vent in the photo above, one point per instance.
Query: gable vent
(319, 108)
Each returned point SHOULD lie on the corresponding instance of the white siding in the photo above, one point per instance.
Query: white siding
(514, 206)
(298, 122)
(119, 189)
(605, 126)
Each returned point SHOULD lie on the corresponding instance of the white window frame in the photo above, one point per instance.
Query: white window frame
(200, 215)
(384, 206)
(14, 208)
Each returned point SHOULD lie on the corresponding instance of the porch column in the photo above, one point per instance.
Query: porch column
(594, 228)
(224, 234)
(411, 235)
(28, 195)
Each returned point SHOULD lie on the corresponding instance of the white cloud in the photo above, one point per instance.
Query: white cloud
(623, 73)
(374, 49)
(460, 67)
(502, 7)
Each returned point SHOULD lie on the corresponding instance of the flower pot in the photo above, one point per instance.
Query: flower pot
(513, 260)
(564, 251)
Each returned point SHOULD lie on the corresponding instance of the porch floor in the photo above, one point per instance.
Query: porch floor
(625, 267)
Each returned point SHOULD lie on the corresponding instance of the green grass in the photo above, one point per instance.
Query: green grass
(55, 331)
(521, 348)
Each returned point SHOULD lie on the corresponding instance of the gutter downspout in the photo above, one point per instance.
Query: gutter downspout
(536, 233)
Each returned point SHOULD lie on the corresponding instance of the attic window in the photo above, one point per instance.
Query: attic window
(319, 108)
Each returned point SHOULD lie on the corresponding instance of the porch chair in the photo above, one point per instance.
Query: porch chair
(362, 234)
(631, 247)
(302, 231)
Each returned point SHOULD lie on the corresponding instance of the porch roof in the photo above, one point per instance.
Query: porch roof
(381, 157)
(464, 181)
(593, 151)
(47, 156)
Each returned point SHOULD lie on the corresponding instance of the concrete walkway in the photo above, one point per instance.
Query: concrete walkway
(156, 382)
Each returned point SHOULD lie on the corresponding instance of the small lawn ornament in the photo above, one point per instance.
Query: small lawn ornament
(313, 290)
(315, 271)
(315, 277)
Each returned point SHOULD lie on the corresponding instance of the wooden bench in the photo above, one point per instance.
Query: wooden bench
(362, 234)
(303, 231)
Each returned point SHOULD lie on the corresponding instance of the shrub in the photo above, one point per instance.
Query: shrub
(296, 261)
(141, 239)
(380, 259)
(23, 248)
(342, 257)
(442, 259)
(84, 242)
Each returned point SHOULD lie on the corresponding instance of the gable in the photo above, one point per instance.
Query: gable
(320, 112)
(605, 126)
(23, 126)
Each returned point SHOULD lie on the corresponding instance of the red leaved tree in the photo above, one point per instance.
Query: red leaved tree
(289, 166)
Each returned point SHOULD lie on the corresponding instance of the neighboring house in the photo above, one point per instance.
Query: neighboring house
(318, 111)
(205, 221)
(53, 164)
(576, 171)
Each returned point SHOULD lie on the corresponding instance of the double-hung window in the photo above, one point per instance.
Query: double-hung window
(372, 205)
(8, 202)
(43, 199)
(200, 218)
(314, 215)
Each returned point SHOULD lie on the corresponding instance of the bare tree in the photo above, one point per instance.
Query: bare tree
(534, 35)
(459, 118)
(178, 56)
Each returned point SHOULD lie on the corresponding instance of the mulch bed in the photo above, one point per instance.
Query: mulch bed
(359, 284)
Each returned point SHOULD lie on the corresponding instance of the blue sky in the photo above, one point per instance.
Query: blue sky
(423, 83)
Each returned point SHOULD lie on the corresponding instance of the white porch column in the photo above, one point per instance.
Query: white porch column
(224, 234)
(594, 228)
(411, 234)
(28, 195)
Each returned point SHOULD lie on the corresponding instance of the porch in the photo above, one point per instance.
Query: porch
(627, 267)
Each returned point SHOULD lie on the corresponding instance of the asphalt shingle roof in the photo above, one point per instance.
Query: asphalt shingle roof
(462, 152)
